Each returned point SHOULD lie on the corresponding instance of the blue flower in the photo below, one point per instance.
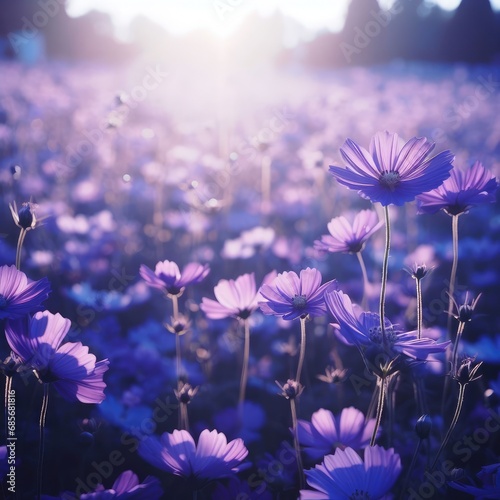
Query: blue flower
(325, 432)
(460, 192)
(212, 458)
(392, 173)
(363, 330)
(18, 296)
(344, 476)
(292, 296)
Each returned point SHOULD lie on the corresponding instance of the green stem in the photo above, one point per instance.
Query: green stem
(296, 444)
(458, 409)
(20, 242)
(302, 352)
(384, 273)
(246, 356)
(43, 414)
(380, 409)
(366, 283)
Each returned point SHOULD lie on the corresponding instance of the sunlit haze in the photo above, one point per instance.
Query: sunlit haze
(222, 17)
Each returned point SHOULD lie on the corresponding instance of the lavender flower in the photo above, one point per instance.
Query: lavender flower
(125, 487)
(392, 173)
(325, 432)
(177, 453)
(18, 297)
(170, 279)
(235, 298)
(345, 476)
(363, 330)
(292, 296)
(460, 192)
(345, 237)
(70, 367)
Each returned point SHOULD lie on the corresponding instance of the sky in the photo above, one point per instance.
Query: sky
(223, 16)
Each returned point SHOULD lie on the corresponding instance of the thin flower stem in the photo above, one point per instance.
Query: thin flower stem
(184, 419)
(246, 356)
(458, 409)
(384, 272)
(380, 409)
(419, 308)
(296, 444)
(178, 355)
(175, 307)
(43, 414)
(373, 404)
(366, 283)
(454, 356)
(410, 470)
(20, 242)
(302, 352)
(453, 275)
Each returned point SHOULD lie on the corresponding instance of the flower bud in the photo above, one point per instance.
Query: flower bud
(423, 426)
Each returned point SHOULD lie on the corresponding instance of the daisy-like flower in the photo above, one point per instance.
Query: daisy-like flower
(69, 367)
(170, 279)
(344, 476)
(363, 330)
(212, 458)
(127, 487)
(390, 172)
(347, 237)
(460, 192)
(292, 296)
(235, 298)
(18, 297)
(324, 432)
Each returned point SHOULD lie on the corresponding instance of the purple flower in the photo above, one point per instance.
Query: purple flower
(345, 237)
(18, 297)
(235, 298)
(177, 453)
(460, 192)
(363, 330)
(292, 296)
(392, 173)
(345, 476)
(167, 276)
(70, 367)
(127, 487)
(325, 432)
